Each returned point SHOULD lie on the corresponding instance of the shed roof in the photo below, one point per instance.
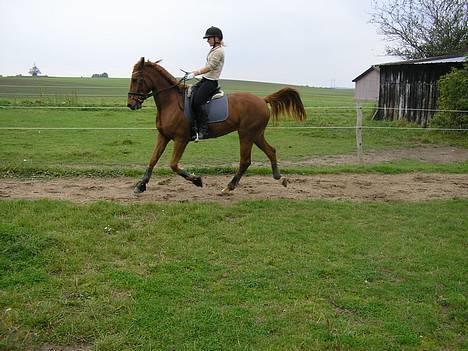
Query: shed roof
(370, 69)
(430, 60)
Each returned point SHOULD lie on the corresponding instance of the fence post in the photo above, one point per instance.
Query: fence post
(359, 131)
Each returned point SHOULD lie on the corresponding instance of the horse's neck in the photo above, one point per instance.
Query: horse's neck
(163, 94)
(158, 81)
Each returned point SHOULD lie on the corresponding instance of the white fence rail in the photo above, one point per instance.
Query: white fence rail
(52, 107)
(358, 127)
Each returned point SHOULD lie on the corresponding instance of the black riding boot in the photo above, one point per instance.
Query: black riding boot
(203, 126)
(194, 130)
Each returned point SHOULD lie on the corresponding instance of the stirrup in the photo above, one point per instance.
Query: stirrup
(195, 137)
(203, 136)
(198, 136)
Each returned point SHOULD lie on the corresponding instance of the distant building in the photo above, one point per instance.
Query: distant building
(406, 90)
(100, 75)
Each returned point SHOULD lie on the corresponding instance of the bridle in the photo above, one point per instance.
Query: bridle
(141, 97)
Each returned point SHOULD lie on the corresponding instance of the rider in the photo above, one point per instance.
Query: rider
(206, 87)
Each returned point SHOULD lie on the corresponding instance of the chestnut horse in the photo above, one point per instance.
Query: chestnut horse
(248, 114)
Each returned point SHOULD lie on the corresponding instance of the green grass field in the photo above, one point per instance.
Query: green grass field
(261, 275)
(133, 147)
(252, 275)
(42, 150)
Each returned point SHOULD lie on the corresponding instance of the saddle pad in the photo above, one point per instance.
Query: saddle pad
(217, 109)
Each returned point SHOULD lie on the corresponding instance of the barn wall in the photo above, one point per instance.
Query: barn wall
(367, 88)
(406, 90)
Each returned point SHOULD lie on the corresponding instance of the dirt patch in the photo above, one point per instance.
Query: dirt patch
(358, 187)
(430, 154)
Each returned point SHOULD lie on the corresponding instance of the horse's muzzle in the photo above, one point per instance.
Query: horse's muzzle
(135, 105)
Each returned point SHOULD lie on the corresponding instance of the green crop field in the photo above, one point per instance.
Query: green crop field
(249, 275)
(113, 91)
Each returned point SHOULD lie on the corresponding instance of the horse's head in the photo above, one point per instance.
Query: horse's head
(139, 90)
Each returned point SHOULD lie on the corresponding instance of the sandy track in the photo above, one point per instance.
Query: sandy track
(358, 187)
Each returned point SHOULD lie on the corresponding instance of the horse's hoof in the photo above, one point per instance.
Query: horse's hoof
(225, 192)
(139, 187)
(284, 182)
(197, 181)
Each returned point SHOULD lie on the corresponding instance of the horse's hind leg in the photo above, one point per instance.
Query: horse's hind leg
(245, 160)
(271, 154)
(159, 148)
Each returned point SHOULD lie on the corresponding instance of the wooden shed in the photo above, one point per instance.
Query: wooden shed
(408, 90)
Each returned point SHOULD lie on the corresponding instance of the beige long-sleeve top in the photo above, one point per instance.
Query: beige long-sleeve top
(215, 62)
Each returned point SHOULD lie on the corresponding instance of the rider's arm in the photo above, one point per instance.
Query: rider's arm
(202, 70)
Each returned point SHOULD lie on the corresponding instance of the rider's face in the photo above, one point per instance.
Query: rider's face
(211, 41)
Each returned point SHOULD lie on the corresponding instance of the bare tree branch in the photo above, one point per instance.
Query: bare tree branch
(422, 28)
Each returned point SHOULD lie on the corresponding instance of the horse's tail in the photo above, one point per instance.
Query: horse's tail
(286, 101)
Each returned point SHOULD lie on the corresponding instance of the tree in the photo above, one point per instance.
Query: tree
(100, 75)
(453, 99)
(34, 71)
(422, 28)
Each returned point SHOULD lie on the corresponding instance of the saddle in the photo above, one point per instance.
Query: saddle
(216, 108)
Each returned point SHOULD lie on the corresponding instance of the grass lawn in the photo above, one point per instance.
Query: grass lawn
(117, 150)
(261, 275)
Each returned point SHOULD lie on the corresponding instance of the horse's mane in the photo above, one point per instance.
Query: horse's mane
(169, 77)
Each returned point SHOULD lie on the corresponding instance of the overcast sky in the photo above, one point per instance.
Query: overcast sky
(306, 42)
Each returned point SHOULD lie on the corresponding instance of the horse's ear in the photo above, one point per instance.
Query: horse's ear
(142, 62)
(160, 60)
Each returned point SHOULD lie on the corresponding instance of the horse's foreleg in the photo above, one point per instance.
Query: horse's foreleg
(159, 148)
(179, 148)
(245, 161)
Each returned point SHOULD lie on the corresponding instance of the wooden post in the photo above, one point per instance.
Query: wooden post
(359, 131)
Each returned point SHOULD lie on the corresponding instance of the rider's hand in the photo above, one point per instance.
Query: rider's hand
(189, 75)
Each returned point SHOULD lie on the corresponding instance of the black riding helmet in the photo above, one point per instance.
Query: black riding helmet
(213, 32)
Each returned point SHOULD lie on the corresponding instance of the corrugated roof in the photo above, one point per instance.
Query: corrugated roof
(430, 60)
(445, 60)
